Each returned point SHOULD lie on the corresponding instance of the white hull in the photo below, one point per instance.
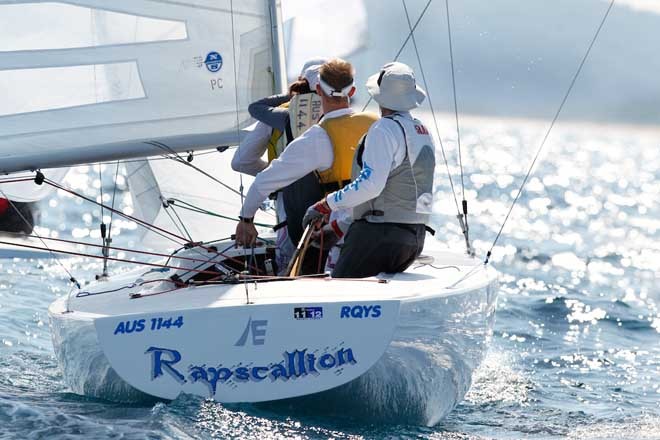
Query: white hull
(414, 359)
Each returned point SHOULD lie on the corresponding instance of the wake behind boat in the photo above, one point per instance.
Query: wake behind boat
(393, 343)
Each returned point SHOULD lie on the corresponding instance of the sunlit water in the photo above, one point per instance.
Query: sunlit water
(576, 350)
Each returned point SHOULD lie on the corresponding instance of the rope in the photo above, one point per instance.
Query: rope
(121, 249)
(123, 260)
(185, 205)
(11, 180)
(160, 231)
(149, 226)
(180, 226)
(405, 42)
(552, 124)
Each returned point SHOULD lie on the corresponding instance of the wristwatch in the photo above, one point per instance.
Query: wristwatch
(246, 219)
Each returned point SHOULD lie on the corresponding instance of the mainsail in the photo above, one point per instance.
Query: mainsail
(160, 76)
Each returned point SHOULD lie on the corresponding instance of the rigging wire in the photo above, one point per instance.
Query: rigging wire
(552, 124)
(155, 229)
(151, 227)
(72, 279)
(463, 219)
(435, 121)
(405, 42)
(453, 84)
(108, 239)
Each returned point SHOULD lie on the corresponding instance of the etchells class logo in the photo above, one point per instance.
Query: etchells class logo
(255, 327)
(213, 62)
(294, 364)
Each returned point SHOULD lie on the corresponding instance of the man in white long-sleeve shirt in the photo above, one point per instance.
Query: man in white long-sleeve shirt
(326, 148)
(392, 196)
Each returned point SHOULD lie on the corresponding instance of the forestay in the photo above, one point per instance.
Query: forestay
(96, 80)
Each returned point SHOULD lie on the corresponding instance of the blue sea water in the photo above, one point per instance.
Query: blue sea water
(576, 346)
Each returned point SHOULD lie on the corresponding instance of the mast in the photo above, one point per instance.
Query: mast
(279, 64)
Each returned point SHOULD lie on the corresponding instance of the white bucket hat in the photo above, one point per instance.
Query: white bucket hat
(394, 88)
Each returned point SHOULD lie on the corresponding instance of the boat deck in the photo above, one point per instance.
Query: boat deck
(433, 275)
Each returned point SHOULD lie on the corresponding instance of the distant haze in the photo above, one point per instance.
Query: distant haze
(516, 58)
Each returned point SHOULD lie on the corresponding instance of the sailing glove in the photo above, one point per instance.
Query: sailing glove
(316, 213)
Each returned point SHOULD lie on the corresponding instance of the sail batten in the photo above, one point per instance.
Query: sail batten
(112, 101)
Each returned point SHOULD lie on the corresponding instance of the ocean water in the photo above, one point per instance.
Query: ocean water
(576, 346)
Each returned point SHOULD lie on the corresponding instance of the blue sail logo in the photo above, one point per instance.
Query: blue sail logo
(213, 62)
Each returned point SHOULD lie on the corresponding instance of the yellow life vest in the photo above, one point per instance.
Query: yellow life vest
(345, 132)
(304, 111)
(277, 141)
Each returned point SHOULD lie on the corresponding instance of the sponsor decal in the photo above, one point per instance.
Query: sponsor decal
(255, 327)
(296, 363)
(360, 312)
(213, 62)
(308, 312)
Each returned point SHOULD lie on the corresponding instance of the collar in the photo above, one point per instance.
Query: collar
(338, 113)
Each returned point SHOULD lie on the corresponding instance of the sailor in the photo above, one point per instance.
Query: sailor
(281, 118)
(392, 195)
(275, 122)
(326, 149)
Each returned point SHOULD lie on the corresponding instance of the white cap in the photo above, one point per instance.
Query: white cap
(313, 62)
(394, 87)
(311, 74)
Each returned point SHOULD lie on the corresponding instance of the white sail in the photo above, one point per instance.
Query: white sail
(160, 76)
(308, 25)
(154, 181)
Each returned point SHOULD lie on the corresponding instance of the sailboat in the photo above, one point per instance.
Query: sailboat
(21, 213)
(167, 78)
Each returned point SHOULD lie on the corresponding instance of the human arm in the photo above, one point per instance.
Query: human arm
(268, 111)
(247, 157)
(309, 152)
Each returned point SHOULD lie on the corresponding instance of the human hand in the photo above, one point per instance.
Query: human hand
(316, 213)
(246, 234)
(326, 237)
